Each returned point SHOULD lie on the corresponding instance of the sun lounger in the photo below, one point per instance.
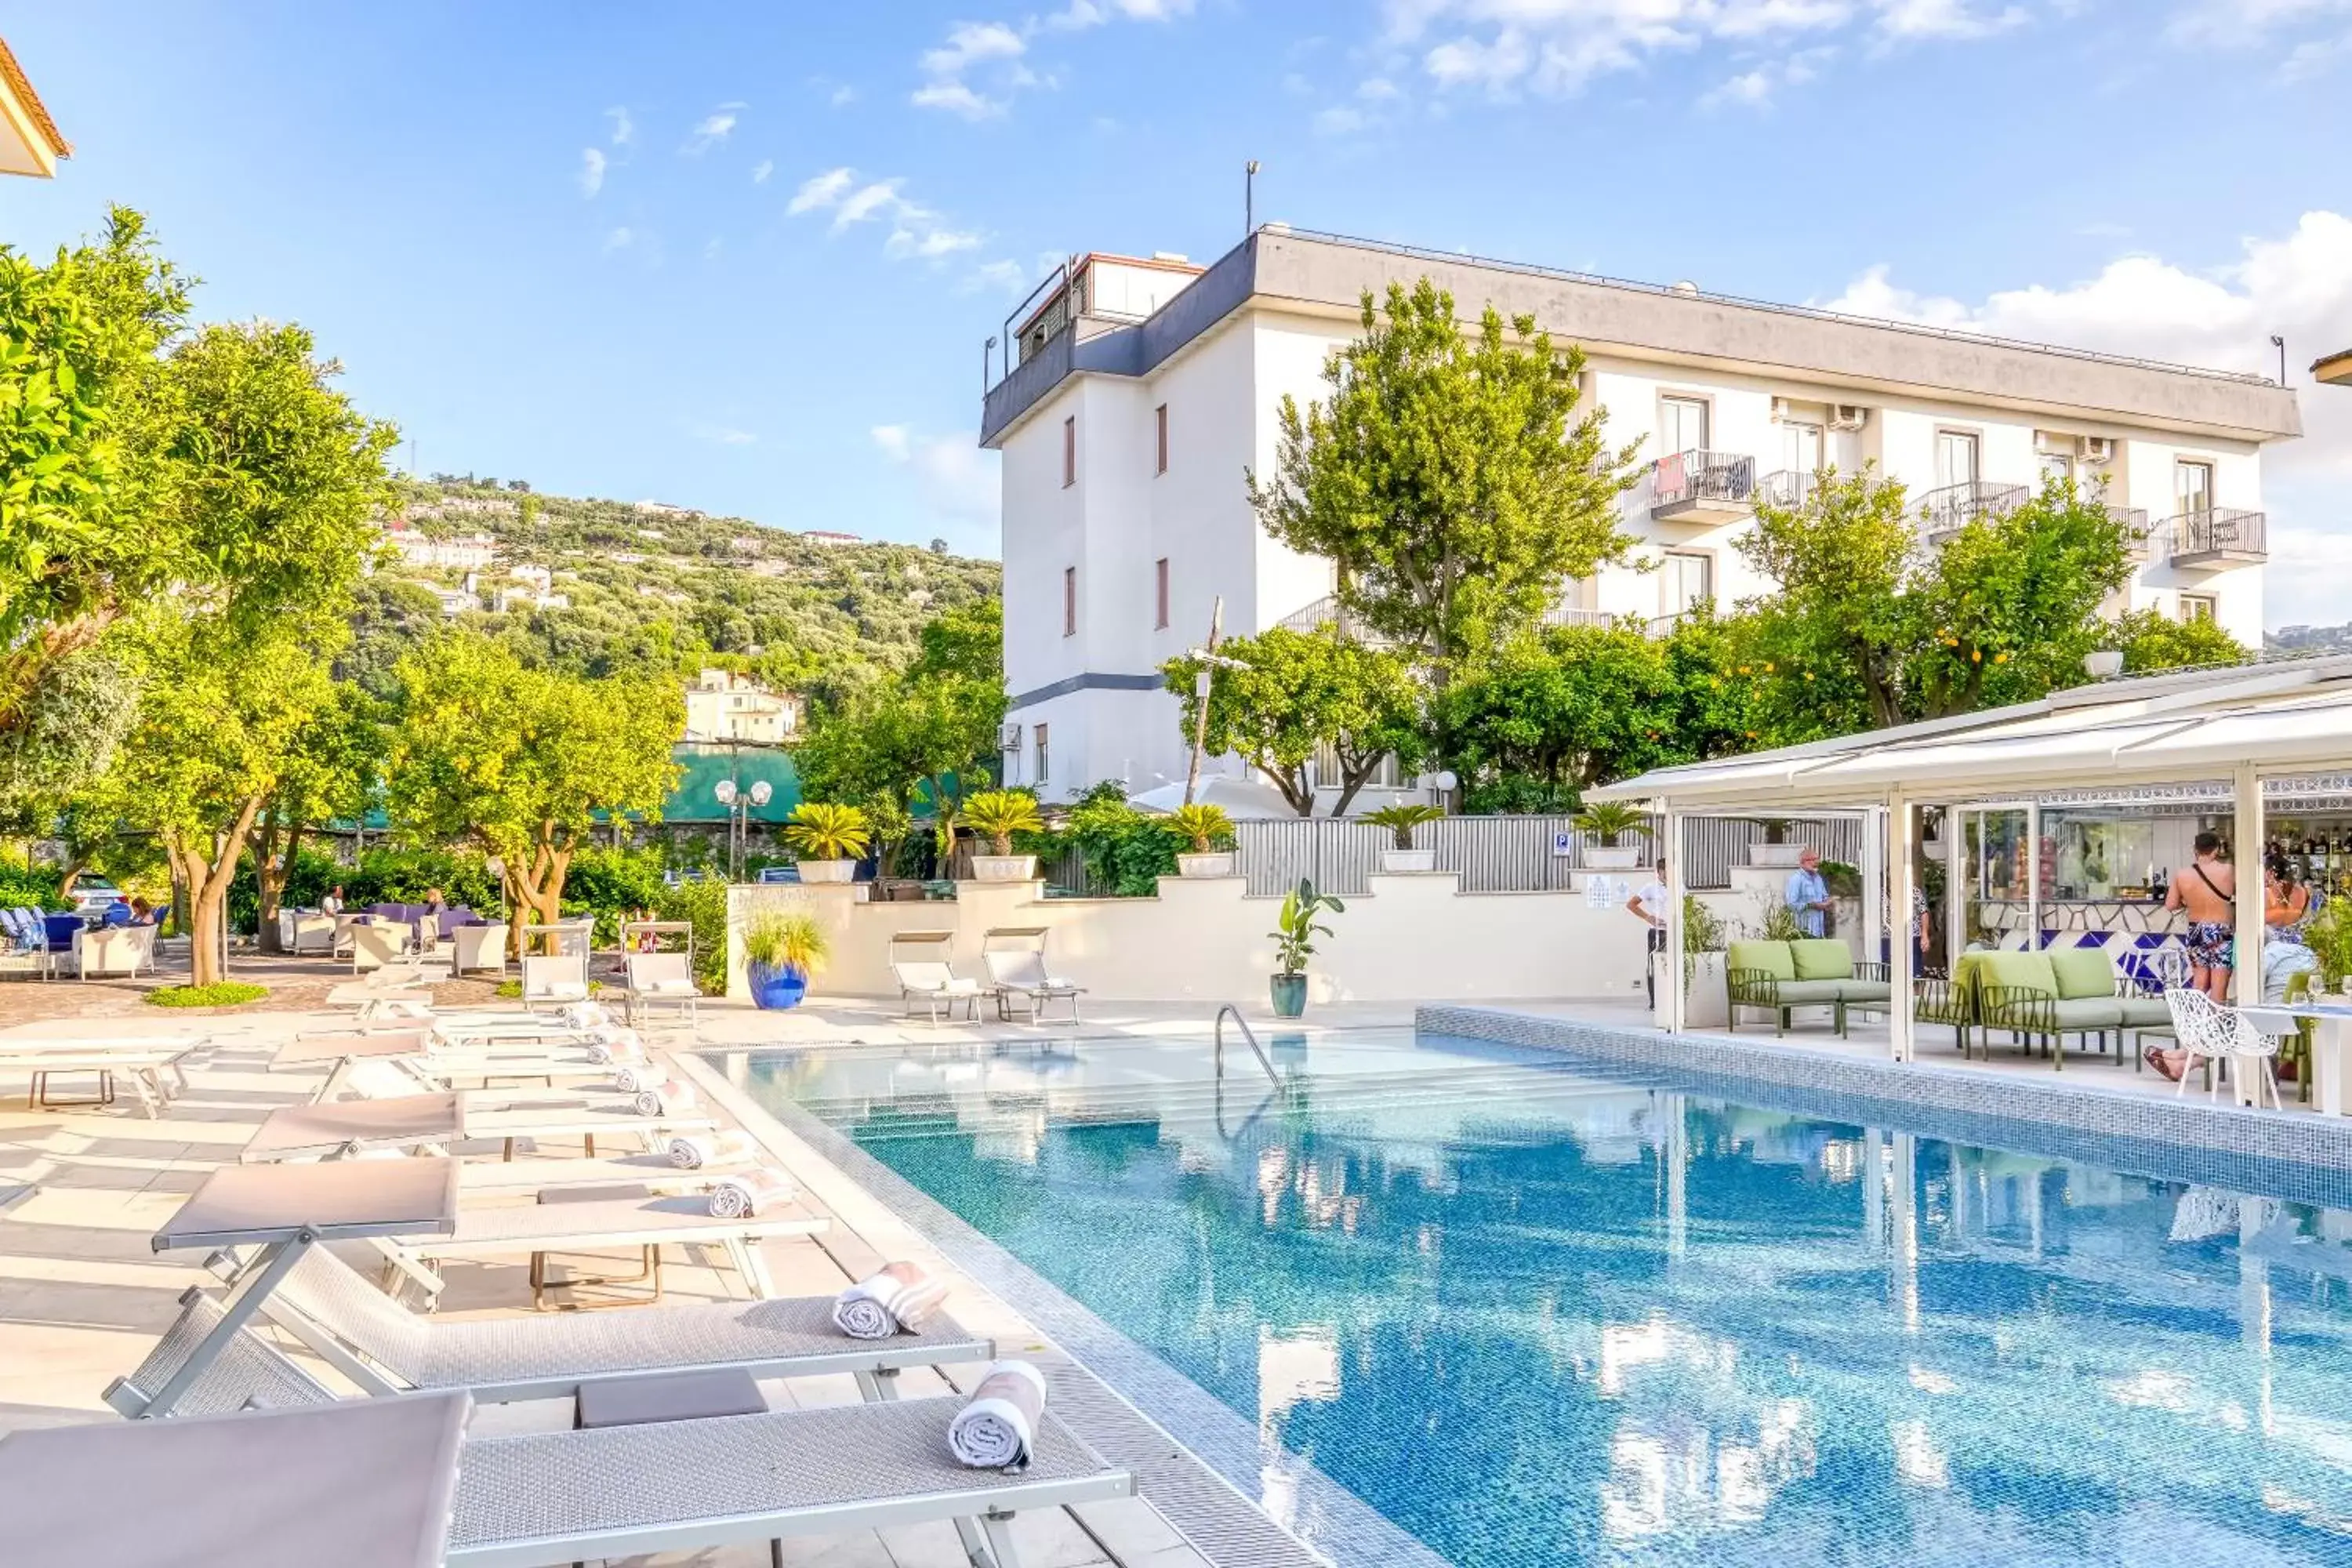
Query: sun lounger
(1016, 957)
(648, 1222)
(365, 1484)
(660, 980)
(153, 1074)
(412, 1052)
(919, 961)
(438, 1119)
(553, 982)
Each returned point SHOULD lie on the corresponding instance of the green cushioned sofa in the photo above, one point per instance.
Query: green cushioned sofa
(1781, 976)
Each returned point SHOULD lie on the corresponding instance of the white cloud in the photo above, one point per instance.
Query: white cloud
(1006, 276)
(722, 435)
(2315, 58)
(1377, 89)
(1756, 89)
(761, 170)
(955, 480)
(980, 67)
(2298, 284)
(624, 129)
(1340, 121)
(713, 128)
(820, 191)
(620, 239)
(866, 202)
(843, 96)
(928, 244)
(2245, 24)
(591, 171)
(1558, 47)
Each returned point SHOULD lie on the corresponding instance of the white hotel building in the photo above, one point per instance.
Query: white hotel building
(1141, 390)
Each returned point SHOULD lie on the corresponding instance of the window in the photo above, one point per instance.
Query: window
(1682, 426)
(1069, 601)
(1801, 448)
(2196, 606)
(1161, 415)
(2192, 484)
(1159, 593)
(1956, 457)
(1686, 579)
(1326, 773)
(2057, 465)
(1069, 451)
(1044, 764)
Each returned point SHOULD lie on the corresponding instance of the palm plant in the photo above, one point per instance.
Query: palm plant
(1205, 825)
(1611, 820)
(1294, 938)
(820, 832)
(786, 939)
(996, 815)
(1401, 818)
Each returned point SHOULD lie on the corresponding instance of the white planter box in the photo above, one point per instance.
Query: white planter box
(1708, 1004)
(1612, 857)
(827, 870)
(1208, 865)
(1401, 862)
(1003, 868)
(1777, 855)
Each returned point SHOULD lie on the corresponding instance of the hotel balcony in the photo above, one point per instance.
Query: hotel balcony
(1702, 486)
(1788, 488)
(2215, 540)
(1954, 507)
(2141, 542)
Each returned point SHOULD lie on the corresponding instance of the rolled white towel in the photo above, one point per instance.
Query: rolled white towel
(616, 1043)
(707, 1151)
(748, 1195)
(667, 1098)
(583, 1015)
(997, 1428)
(633, 1077)
(901, 1298)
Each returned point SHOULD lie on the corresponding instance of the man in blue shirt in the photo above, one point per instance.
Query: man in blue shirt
(1807, 894)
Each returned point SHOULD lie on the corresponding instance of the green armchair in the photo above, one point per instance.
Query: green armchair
(1779, 977)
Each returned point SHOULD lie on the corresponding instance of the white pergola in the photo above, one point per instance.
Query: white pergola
(2239, 725)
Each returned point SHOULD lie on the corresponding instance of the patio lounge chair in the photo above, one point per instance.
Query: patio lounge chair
(114, 950)
(385, 1349)
(375, 946)
(1818, 971)
(660, 979)
(396, 1483)
(478, 949)
(553, 982)
(1015, 956)
(28, 950)
(918, 962)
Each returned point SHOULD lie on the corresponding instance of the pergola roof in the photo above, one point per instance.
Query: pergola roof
(2185, 725)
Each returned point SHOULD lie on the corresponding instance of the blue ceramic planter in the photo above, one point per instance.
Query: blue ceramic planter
(777, 988)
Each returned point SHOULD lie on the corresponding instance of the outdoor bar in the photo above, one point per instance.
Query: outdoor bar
(2057, 823)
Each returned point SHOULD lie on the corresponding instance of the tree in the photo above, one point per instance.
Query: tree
(1554, 716)
(1842, 559)
(220, 469)
(934, 727)
(219, 712)
(518, 761)
(1443, 476)
(1294, 692)
(328, 770)
(2152, 640)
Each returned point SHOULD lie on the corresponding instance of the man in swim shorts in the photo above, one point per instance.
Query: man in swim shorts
(2206, 890)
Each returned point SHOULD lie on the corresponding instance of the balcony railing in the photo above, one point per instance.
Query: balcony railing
(1326, 612)
(2141, 542)
(1788, 487)
(2217, 536)
(1954, 507)
(1700, 483)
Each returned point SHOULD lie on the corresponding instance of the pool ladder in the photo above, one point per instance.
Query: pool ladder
(1248, 1034)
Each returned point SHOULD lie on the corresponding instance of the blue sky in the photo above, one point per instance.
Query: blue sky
(744, 256)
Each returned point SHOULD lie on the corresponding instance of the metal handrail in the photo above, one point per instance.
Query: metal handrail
(1685, 478)
(1248, 1034)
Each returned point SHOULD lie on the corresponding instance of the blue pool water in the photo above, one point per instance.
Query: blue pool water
(1537, 1313)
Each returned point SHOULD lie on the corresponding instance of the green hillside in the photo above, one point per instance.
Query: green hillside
(662, 586)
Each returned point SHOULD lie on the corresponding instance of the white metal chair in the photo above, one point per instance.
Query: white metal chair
(478, 949)
(552, 982)
(2222, 1035)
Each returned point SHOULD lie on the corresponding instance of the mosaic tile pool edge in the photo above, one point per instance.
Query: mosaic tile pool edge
(1350, 1529)
(2297, 1157)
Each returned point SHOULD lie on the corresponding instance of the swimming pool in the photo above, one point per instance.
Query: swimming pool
(1541, 1313)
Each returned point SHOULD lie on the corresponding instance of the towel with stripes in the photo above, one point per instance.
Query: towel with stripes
(705, 1151)
(748, 1195)
(997, 1428)
(901, 1298)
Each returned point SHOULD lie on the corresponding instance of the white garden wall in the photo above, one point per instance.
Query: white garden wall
(1412, 938)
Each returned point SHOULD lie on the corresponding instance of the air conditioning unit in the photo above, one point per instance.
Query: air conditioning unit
(1780, 411)
(1008, 739)
(2096, 448)
(1848, 416)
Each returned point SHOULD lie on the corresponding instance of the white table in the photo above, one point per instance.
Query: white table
(2333, 1036)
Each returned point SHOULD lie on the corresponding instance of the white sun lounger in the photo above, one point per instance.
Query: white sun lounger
(1016, 957)
(919, 961)
(154, 1074)
(385, 1349)
(648, 1222)
(394, 1483)
(413, 1053)
(660, 980)
(441, 1119)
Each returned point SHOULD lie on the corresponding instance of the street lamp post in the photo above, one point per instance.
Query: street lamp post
(739, 804)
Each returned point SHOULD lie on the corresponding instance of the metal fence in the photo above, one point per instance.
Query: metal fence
(1712, 845)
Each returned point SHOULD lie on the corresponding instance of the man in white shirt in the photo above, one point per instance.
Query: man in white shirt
(1651, 901)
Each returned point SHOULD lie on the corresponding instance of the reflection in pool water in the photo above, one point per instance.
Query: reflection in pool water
(1537, 1317)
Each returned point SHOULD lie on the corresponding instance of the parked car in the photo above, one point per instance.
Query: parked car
(780, 874)
(94, 895)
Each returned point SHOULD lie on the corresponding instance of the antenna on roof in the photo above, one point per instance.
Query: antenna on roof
(1249, 198)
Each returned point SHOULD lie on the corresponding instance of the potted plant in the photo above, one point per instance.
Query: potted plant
(1401, 819)
(1211, 833)
(1706, 997)
(1774, 849)
(1294, 945)
(996, 815)
(829, 840)
(781, 948)
(1607, 822)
